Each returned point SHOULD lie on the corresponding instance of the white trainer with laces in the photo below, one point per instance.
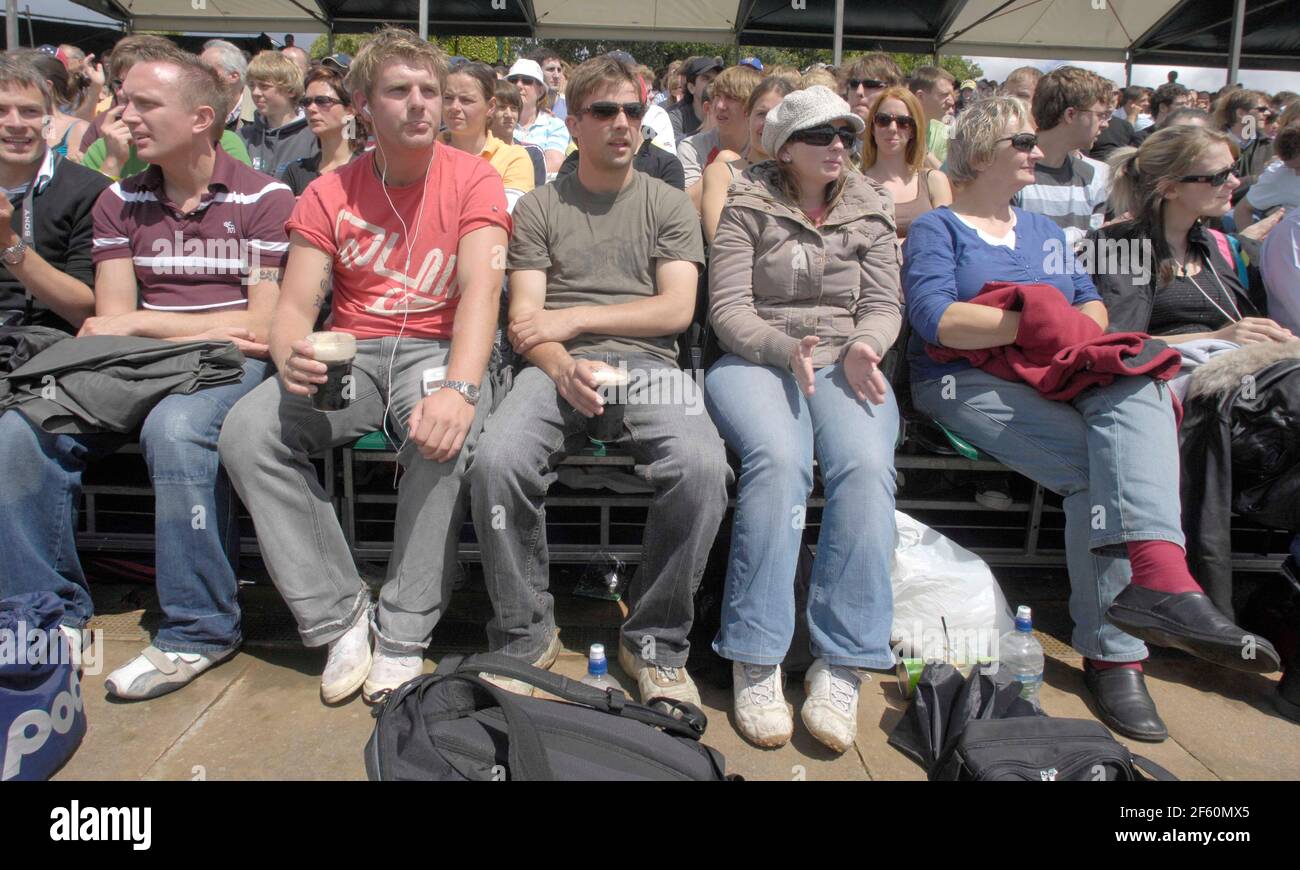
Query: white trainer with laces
(763, 716)
(830, 710)
(349, 662)
(388, 672)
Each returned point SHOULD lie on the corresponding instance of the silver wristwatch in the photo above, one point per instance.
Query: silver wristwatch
(14, 254)
(467, 391)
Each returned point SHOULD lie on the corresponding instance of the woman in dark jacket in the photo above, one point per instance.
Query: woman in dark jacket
(1165, 273)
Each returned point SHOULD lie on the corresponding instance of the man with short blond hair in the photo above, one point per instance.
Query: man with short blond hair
(150, 285)
(409, 238)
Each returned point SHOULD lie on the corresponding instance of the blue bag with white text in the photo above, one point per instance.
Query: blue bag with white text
(42, 716)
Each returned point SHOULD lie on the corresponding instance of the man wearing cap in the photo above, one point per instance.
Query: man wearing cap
(698, 72)
(537, 126)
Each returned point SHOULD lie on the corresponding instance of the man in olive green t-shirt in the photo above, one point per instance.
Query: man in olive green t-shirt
(603, 267)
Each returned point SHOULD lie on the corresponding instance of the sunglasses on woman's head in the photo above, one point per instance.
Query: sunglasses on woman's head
(869, 84)
(1024, 142)
(904, 122)
(321, 102)
(604, 111)
(1217, 179)
(824, 135)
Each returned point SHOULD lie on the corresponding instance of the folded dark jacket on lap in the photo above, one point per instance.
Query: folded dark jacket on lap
(18, 344)
(109, 383)
(1059, 350)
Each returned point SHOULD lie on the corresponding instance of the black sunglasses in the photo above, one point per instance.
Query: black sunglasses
(1217, 179)
(603, 111)
(1024, 142)
(321, 102)
(869, 84)
(904, 122)
(825, 135)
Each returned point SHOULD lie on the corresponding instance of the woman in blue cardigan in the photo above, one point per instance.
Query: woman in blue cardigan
(1111, 452)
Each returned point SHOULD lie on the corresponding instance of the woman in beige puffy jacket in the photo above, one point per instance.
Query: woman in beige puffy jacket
(804, 297)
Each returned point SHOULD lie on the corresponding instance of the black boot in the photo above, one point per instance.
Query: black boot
(1123, 703)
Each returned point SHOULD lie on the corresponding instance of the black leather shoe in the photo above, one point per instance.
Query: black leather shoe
(1123, 703)
(1189, 621)
(1287, 699)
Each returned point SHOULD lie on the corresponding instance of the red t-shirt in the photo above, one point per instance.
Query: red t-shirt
(345, 214)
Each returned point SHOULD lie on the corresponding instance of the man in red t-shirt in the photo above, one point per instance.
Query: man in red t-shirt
(411, 239)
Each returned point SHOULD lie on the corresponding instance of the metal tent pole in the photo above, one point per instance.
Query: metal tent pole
(1238, 23)
(11, 24)
(424, 19)
(838, 54)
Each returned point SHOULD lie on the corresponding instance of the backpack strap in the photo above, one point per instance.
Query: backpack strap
(691, 725)
(1154, 771)
(526, 754)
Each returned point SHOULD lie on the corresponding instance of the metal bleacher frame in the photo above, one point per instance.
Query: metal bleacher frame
(339, 472)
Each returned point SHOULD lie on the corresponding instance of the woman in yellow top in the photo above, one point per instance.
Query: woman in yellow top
(467, 105)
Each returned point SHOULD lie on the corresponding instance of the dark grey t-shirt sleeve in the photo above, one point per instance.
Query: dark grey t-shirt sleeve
(677, 235)
(529, 248)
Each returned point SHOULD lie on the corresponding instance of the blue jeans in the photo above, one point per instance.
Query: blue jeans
(1111, 453)
(195, 529)
(776, 431)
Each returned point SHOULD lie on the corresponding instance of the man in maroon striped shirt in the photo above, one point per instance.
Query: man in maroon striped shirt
(189, 249)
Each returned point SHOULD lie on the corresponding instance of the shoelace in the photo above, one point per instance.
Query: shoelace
(843, 688)
(761, 684)
(666, 674)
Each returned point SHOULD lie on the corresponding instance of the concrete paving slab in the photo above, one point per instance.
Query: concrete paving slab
(1225, 718)
(125, 738)
(880, 708)
(272, 725)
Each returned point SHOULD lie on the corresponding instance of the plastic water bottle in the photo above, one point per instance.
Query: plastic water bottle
(1022, 655)
(598, 670)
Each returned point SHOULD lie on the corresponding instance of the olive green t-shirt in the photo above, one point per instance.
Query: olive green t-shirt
(600, 249)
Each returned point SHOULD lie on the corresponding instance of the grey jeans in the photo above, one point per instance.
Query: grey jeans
(679, 453)
(265, 445)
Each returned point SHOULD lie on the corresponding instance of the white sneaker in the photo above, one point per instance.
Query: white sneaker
(387, 673)
(655, 681)
(830, 711)
(762, 715)
(349, 661)
(154, 672)
(545, 661)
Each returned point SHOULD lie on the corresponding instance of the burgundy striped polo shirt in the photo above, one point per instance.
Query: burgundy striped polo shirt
(197, 261)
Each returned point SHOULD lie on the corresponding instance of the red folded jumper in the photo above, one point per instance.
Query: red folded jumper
(1059, 350)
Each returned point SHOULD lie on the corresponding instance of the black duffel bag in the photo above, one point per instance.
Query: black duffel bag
(454, 725)
(1041, 749)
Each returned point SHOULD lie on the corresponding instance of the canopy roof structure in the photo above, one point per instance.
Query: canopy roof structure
(1185, 32)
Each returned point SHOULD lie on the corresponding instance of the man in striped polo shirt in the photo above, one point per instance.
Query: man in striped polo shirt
(189, 249)
(1071, 107)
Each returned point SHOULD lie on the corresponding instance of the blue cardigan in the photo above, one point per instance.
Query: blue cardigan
(945, 261)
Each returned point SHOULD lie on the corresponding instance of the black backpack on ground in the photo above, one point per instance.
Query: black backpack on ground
(1041, 749)
(453, 726)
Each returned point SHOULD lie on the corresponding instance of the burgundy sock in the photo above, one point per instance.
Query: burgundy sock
(1160, 566)
(1106, 666)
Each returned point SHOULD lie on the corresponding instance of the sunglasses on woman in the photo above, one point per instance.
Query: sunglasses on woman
(604, 111)
(825, 135)
(319, 102)
(1217, 179)
(904, 122)
(1023, 142)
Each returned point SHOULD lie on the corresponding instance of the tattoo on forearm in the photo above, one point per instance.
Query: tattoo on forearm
(268, 275)
(319, 300)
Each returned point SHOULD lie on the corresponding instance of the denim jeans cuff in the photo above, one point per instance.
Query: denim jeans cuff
(1122, 656)
(664, 657)
(871, 662)
(328, 632)
(197, 648)
(394, 648)
(747, 658)
(1119, 539)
